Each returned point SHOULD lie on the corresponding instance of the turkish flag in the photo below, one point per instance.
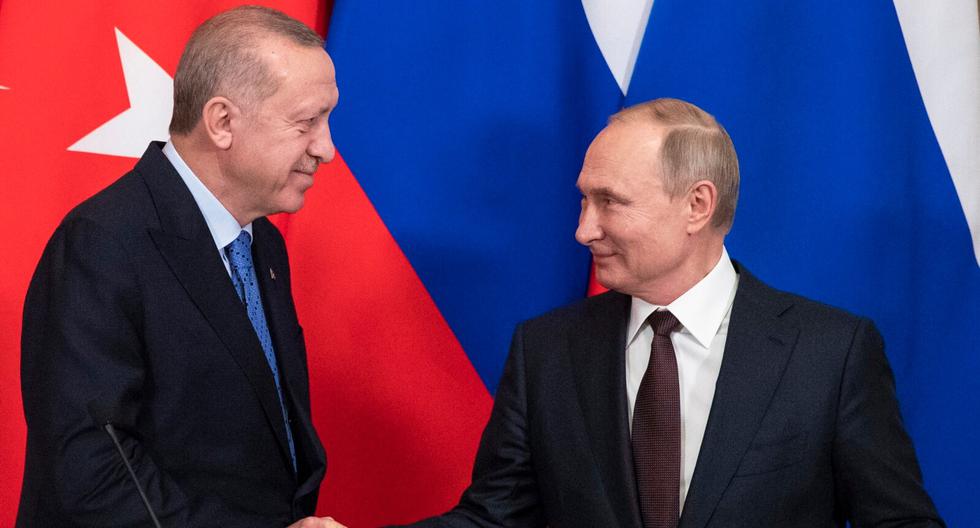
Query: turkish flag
(396, 401)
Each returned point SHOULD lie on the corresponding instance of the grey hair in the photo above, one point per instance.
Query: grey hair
(220, 59)
(695, 147)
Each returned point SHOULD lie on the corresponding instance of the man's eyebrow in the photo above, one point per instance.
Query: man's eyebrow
(316, 112)
(602, 192)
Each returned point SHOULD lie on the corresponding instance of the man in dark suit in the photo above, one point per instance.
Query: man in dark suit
(162, 306)
(691, 395)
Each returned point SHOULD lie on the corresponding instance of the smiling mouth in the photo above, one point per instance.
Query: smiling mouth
(308, 169)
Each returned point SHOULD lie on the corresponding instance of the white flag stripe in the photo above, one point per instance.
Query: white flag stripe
(618, 27)
(943, 40)
(151, 95)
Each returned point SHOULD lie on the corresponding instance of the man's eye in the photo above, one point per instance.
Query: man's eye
(305, 125)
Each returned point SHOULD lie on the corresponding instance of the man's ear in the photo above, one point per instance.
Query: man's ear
(216, 118)
(702, 200)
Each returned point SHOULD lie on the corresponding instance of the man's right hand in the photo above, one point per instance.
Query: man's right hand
(316, 522)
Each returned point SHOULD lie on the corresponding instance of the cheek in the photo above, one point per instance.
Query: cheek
(280, 164)
(630, 232)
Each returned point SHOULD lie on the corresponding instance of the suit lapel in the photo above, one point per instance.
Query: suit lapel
(271, 268)
(757, 350)
(597, 350)
(270, 271)
(186, 245)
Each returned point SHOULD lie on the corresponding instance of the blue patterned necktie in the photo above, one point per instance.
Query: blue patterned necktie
(247, 285)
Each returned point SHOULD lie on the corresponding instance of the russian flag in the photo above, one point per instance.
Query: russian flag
(857, 126)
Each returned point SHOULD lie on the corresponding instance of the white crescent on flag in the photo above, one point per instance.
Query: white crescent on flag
(151, 95)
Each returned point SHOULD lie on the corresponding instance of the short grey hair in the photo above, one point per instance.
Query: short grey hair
(695, 147)
(220, 59)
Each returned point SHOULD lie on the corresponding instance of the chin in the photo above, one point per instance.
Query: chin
(607, 279)
(293, 206)
(291, 202)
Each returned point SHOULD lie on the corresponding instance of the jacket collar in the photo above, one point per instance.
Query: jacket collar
(760, 343)
(186, 244)
(597, 349)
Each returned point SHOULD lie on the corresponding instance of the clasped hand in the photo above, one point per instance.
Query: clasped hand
(316, 522)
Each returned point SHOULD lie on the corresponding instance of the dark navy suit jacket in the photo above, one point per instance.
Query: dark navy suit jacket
(131, 317)
(804, 429)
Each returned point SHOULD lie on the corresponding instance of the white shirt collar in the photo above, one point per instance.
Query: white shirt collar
(701, 309)
(223, 226)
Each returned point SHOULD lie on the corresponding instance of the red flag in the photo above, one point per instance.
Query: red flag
(594, 287)
(398, 405)
(82, 89)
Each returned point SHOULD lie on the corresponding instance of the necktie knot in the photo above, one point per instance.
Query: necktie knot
(663, 322)
(240, 250)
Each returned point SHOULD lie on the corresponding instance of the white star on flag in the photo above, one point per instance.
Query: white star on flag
(151, 95)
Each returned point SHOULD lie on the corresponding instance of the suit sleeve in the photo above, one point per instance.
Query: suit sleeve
(504, 489)
(82, 349)
(878, 478)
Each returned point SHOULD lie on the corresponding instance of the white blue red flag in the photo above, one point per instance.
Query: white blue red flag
(857, 126)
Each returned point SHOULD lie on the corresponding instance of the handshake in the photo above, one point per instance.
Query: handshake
(316, 522)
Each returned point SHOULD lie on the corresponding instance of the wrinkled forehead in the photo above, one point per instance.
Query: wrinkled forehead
(621, 149)
(298, 72)
(634, 136)
(284, 57)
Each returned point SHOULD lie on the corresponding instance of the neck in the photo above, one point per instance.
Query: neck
(695, 267)
(203, 160)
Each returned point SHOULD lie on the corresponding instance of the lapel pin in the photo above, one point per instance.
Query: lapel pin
(272, 274)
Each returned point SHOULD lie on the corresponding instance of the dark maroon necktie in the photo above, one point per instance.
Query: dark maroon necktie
(657, 429)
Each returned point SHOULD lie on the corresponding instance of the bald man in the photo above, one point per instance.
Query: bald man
(692, 394)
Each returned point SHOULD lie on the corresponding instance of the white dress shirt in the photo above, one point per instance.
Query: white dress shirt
(699, 345)
(223, 226)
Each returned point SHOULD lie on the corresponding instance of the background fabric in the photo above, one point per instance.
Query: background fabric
(449, 214)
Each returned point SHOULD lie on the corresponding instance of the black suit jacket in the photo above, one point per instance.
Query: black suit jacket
(804, 429)
(131, 317)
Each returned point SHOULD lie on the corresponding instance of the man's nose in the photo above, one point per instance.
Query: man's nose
(322, 147)
(588, 226)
